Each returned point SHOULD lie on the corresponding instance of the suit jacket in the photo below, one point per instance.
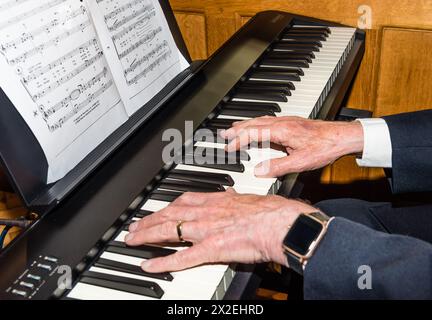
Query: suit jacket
(356, 262)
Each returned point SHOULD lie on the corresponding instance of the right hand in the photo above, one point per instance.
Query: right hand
(310, 144)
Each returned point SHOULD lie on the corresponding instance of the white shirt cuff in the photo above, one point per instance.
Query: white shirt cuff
(377, 152)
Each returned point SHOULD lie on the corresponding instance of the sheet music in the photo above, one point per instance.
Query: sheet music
(54, 71)
(139, 47)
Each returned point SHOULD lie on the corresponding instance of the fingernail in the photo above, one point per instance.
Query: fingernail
(261, 170)
(231, 147)
(129, 237)
(133, 227)
(146, 264)
(228, 133)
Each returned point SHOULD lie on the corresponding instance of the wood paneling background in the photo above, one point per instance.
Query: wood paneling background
(396, 72)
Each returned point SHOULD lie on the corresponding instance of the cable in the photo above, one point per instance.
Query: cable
(3, 235)
(20, 223)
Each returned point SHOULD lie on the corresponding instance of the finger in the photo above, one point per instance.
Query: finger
(240, 125)
(249, 135)
(165, 232)
(197, 199)
(185, 259)
(231, 191)
(294, 163)
(175, 214)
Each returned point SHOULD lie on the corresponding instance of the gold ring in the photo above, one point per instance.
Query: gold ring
(179, 230)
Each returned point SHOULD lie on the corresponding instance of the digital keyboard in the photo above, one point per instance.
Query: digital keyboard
(277, 65)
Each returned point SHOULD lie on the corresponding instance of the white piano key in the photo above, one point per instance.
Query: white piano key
(245, 182)
(214, 272)
(155, 205)
(83, 291)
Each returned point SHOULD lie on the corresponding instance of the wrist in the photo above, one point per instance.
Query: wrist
(304, 238)
(349, 138)
(281, 228)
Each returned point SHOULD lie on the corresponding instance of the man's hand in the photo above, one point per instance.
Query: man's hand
(310, 144)
(223, 227)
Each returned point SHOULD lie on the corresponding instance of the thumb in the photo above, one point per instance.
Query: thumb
(279, 167)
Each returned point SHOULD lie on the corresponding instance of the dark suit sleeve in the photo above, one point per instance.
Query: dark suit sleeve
(411, 137)
(400, 266)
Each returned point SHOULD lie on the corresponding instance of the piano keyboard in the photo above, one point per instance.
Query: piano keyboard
(293, 78)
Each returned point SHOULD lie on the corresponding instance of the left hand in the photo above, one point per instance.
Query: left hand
(223, 227)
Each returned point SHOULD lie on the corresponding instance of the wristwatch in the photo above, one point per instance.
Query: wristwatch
(303, 238)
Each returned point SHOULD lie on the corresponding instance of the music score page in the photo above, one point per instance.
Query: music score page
(55, 71)
(139, 47)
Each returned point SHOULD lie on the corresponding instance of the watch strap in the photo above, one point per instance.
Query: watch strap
(294, 263)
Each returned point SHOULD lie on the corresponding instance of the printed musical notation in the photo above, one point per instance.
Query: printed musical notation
(55, 73)
(144, 51)
(47, 74)
(77, 70)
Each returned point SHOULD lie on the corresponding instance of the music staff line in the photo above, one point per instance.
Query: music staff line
(50, 43)
(142, 21)
(28, 14)
(121, 9)
(11, 4)
(56, 63)
(118, 23)
(148, 37)
(150, 67)
(43, 29)
(159, 48)
(68, 77)
(81, 89)
(77, 108)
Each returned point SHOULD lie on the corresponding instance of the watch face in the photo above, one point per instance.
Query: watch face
(304, 231)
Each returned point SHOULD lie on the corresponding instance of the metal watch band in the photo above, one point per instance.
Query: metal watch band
(296, 263)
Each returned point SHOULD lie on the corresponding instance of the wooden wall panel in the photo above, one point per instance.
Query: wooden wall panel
(395, 75)
(405, 77)
(193, 27)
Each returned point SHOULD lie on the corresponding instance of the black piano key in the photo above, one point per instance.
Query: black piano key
(216, 178)
(247, 113)
(294, 70)
(299, 51)
(302, 42)
(135, 286)
(221, 124)
(130, 268)
(251, 94)
(190, 186)
(257, 88)
(219, 153)
(323, 29)
(261, 96)
(214, 138)
(285, 63)
(143, 252)
(163, 195)
(295, 47)
(143, 213)
(311, 36)
(237, 167)
(308, 56)
(272, 84)
(253, 105)
(266, 75)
